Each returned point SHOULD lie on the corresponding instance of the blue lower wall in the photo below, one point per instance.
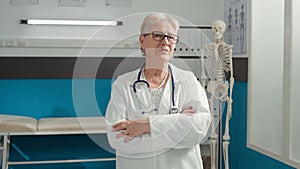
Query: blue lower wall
(85, 97)
(59, 147)
(54, 97)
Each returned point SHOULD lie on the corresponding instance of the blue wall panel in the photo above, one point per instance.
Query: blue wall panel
(54, 97)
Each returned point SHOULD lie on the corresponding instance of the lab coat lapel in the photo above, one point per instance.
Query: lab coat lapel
(166, 102)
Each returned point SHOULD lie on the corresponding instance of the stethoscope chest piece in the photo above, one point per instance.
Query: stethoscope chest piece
(173, 110)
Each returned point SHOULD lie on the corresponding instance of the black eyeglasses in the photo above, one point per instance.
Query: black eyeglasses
(159, 36)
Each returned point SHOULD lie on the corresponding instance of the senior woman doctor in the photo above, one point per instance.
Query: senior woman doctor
(158, 114)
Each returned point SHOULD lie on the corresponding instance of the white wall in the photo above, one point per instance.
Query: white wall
(295, 83)
(273, 114)
(266, 74)
(16, 39)
(199, 12)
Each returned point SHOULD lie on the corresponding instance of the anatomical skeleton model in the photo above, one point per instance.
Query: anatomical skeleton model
(217, 86)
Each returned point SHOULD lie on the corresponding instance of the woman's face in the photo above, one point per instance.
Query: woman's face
(159, 50)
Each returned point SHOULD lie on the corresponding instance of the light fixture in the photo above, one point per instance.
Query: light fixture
(70, 22)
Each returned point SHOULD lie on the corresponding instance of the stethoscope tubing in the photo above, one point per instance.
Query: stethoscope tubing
(148, 85)
(173, 86)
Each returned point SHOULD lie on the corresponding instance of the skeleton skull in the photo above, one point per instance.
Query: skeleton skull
(218, 28)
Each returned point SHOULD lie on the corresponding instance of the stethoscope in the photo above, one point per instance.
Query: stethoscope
(139, 82)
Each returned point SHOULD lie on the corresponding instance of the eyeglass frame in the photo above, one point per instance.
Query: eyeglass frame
(164, 35)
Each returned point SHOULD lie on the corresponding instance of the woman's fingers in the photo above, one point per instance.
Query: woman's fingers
(131, 129)
(189, 111)
(120, 126)
(127, 139)
(122, 134)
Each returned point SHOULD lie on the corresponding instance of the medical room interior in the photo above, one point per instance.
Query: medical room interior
(56, 79)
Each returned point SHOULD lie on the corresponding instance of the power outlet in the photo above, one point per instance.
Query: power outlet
(21, 42)
(11, 42)
(2, 42)
(72, 3)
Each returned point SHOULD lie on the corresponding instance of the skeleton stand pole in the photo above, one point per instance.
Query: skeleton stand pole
(213, 136)
(226, 136)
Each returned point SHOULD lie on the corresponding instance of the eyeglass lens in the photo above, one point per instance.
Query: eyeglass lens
(158, 36)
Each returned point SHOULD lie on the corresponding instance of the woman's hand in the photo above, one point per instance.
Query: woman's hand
(131, 129)
(188, 111)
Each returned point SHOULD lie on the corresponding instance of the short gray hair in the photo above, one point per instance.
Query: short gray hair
(155, 18)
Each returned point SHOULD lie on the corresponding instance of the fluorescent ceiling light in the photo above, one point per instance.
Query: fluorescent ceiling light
(70, 22)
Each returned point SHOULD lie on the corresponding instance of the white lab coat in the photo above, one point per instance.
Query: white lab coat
(174, 139)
